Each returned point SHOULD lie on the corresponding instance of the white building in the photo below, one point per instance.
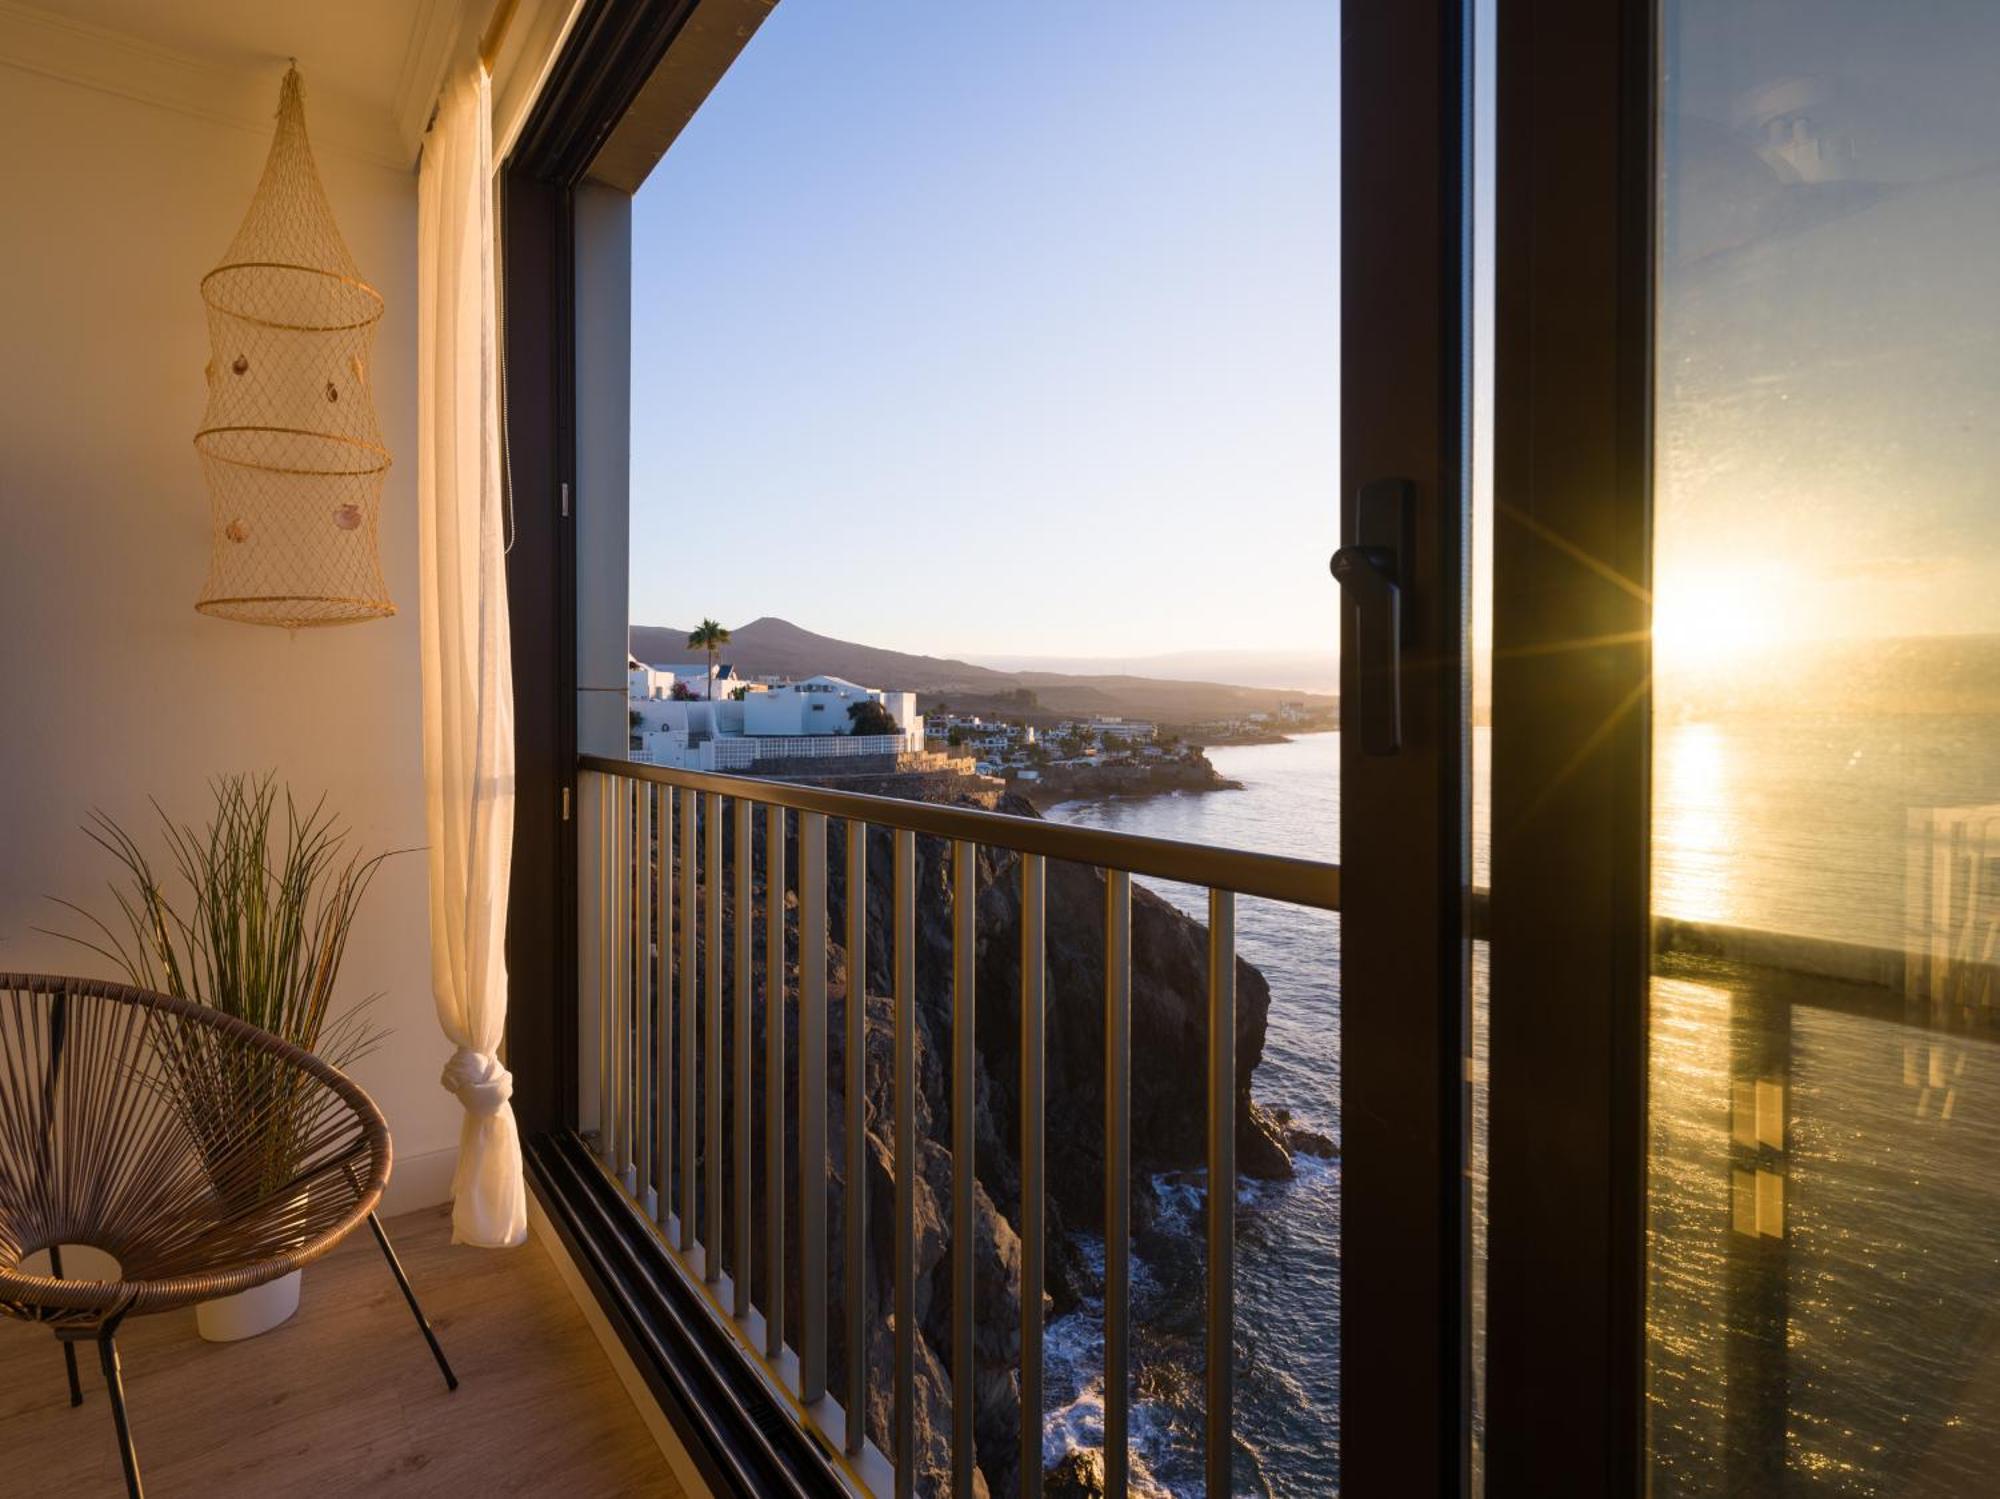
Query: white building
(787, 720)
(1127, 729)
(980, 733)
(655, 681)
(823, 705)
(643, 681)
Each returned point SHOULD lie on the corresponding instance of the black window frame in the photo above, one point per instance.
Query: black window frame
(1569, 910)
(1568, 915)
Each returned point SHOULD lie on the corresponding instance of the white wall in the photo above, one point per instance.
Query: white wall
(902, 707)
(113, 688)
(790, 710)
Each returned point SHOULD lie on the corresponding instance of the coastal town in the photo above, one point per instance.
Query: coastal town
(706, 715)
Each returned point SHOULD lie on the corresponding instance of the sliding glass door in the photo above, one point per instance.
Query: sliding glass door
(1745, 904)
(1741, 1232)
(1823, 1146)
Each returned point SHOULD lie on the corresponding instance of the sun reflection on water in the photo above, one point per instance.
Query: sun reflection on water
(1695, 825)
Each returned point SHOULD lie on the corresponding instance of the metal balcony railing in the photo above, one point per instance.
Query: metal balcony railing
(653, 877)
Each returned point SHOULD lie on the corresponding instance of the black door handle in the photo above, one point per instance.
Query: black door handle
(1373, 571)
(1367, 575)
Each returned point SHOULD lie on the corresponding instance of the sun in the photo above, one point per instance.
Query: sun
(1715, 617)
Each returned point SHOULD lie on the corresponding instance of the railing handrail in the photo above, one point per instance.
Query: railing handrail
(1303, 882)
(1300, 882)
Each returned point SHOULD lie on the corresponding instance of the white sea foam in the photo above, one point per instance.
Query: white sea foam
(1073, 1375)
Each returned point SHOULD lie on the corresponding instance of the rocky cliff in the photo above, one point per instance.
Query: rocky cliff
(1169, 970)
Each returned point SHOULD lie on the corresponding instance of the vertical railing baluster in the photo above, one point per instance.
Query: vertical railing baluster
(855, 1198)
(606, 1148)
(908, 1162)
(621, 980)
(631, 959)
(690, 993)
(607, 850)
(663, 1029)
(712, 1043)
(774, 1082)
(1117, 1177)
(739, 1240)
(1221, 1380)
(1034, 956)
(964, 1059)
(591, 790)
(642, 971)
(812, 1106)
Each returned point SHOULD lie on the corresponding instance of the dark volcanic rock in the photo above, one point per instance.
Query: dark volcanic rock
(1169, 1049)
(1262, 1145)
(1080, 1475)
(1169, 1034)
(1129, 779)
(1300, 1140)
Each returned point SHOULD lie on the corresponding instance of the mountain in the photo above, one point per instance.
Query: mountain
(1285, 670)
(776, 647)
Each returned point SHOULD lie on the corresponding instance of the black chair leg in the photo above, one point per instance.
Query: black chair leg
(423, 1323)
(107, 1351)
(69, 1348)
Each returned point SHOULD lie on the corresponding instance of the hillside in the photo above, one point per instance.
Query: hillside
(1286, 670)
(776, 647)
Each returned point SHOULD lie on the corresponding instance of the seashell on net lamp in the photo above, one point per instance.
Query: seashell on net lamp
(289, 442)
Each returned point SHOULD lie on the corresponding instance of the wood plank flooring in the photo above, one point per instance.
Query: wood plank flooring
(344, 1399)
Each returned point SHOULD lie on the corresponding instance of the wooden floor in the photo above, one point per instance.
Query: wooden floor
(344, 1399)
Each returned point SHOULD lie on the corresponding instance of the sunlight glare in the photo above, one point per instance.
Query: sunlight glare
(1715, 616)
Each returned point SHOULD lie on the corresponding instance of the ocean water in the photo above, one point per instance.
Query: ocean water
(1287, 1234)
(1843, 1338)
(1853, 1349)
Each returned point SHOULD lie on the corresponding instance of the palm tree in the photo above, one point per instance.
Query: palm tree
(710, 637)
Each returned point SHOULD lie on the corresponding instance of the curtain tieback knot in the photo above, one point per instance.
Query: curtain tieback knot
(480, 1082)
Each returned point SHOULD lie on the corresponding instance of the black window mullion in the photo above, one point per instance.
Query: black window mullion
(1405, 392)
(1571, 747)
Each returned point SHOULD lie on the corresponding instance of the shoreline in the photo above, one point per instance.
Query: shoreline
(1043, 799)
(1251, 737)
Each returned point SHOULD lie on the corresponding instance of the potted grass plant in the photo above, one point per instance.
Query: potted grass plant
(253, 919)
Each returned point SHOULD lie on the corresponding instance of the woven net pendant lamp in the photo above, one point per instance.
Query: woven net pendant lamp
(289, 443)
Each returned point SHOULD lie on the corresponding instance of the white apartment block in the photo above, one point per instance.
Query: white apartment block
(786, 720)
(1126, 729)
(821, 705)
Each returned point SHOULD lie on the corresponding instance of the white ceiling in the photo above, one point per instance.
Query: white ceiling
(360, 47)
(371, 67)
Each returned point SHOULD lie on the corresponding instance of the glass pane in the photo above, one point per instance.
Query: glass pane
(1000, 380)
(1825, 1086)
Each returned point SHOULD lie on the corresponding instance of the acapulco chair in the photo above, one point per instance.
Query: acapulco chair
(204, 1155)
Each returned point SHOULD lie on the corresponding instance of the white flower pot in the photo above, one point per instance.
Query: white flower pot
(248, 1313)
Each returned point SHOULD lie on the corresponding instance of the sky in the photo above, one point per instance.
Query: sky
(1828, 359)
(975, 329)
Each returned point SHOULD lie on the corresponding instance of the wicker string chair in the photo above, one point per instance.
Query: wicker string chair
(204, 1155)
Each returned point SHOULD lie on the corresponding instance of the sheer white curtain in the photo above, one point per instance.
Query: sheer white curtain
(468, 682)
